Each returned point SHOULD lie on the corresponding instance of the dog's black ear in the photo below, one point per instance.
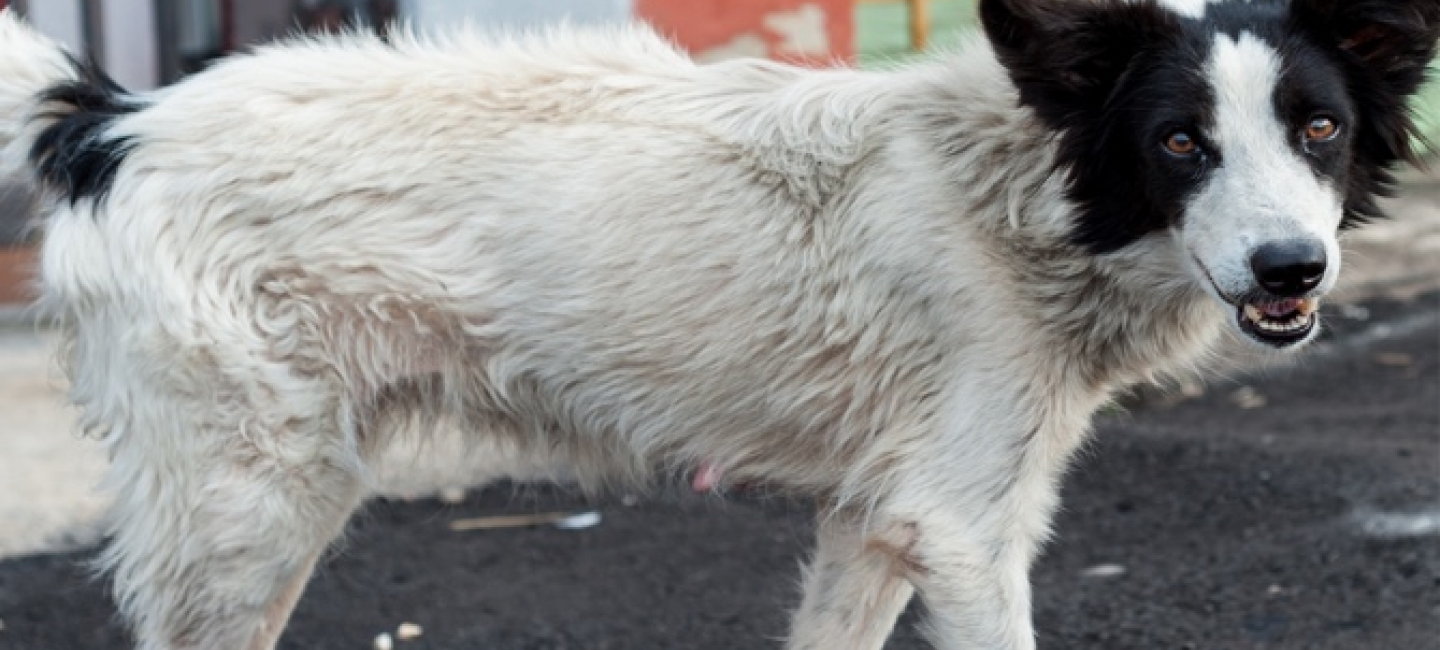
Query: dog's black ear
(1385, 46)
(1392, 41)
(1066, 56)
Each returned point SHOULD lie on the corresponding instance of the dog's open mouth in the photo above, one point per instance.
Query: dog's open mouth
(1280, 322)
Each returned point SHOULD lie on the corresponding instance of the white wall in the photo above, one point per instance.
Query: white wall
(429, 14)
(132, 53)
(131, 48)
(62, 20)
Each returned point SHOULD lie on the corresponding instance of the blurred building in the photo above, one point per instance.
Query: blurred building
(147, 43)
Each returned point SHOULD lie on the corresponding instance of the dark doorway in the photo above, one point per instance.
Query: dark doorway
(195, 32)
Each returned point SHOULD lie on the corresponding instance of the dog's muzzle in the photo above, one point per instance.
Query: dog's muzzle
(1287, 272)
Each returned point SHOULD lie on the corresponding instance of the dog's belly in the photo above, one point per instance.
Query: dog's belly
(763, 395)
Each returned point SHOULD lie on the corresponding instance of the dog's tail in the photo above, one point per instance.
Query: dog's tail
(55, 113)
(30, 64)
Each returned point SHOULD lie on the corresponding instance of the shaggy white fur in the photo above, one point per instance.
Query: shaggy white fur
(852, 285)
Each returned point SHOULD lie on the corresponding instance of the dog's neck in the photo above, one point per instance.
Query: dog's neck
(1109, 320)
(1116, 321)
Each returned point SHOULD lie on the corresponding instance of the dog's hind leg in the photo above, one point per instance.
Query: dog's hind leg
(222, 505)
(855, 587)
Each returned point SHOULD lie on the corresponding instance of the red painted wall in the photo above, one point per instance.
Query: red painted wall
(818, 32)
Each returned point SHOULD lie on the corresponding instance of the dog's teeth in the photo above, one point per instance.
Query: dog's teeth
(1309, 306)
(1253, 313)
(1294, 324)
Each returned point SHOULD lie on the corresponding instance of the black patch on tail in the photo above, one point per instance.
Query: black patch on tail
(74, 156)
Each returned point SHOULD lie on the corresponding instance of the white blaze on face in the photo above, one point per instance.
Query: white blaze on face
(1263, 190)
(1187, 8)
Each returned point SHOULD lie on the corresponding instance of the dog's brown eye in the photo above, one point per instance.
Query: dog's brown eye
(1181, 144)
(1321, 129)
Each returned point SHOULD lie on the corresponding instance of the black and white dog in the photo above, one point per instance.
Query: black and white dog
(904, 293)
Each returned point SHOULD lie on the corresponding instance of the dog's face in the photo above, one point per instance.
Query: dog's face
(1252, 131)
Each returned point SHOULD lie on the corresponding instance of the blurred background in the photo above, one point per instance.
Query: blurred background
(149, 43)
(1275, 509)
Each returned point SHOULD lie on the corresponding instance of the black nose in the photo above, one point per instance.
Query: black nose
(1289, 268)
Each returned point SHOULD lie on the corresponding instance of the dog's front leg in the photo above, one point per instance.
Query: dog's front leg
(979, 517)
(855, 586)
(976, 598)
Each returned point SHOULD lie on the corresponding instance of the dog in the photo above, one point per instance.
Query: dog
(903, 293)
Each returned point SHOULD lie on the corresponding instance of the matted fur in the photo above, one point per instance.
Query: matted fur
(858, 286)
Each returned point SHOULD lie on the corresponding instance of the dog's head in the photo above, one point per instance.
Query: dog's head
(1252, 132)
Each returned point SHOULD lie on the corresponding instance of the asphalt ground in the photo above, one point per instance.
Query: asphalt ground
(1297, 508)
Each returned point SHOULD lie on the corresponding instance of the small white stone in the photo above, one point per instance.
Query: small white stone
(579, 521)
(408, 631)
(384, 642)
(1103, 571)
